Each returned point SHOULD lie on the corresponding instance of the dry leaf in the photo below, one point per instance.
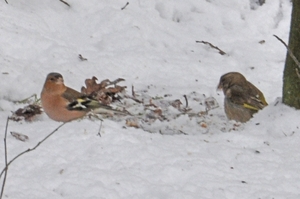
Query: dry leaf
(101, 91)
(203, 124)
(158, 111)
(176, 104)
(132, 122)
(27, 113)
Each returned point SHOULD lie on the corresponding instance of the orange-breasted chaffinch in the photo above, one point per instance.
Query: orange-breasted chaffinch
(64, 104)
(242, 99)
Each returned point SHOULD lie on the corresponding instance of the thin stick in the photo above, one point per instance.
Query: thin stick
(28, 150)
(65, 2)
(186, 101)
(5, 152)
(100, 128)
(132, 91)
(125, 6)
(133, 97)
(215, 47)
(289, 51)
(82, 58)
(6, 1)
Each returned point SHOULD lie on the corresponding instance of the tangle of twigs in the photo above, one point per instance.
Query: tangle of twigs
(30, 149)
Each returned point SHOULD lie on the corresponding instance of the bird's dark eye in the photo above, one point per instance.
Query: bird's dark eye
(52, 79)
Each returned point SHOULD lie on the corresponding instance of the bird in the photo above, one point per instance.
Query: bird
(64, 104)
(242, 98)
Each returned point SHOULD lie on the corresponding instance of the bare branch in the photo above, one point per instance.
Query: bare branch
(6, 1)
(289, 51)
(28, 150)
(215, 47)
(5, 156)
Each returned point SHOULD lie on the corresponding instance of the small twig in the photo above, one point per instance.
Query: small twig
(5, 156)
(26, 100)
(6, 1)
(65, 3)
(94, 115)
(116, 81)
(186, 101)
(151, 104)
(290, 53)
(132, 91)
(215, 47)
(125, 6)
(28, 150)
(100, 128)
(133, 97)
(82, 58)
(292, 133)
(284, 134)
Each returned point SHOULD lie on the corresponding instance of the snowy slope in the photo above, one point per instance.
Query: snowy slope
(152, 45)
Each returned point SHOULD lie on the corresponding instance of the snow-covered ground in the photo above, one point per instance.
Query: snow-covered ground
(152, 45)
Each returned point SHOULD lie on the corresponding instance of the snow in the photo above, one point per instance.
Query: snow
(152, 45)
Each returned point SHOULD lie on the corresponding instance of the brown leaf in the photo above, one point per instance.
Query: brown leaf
(104, 99)
(203, 124)
(27, 113)
(101, 91)
(151, 104)
(176, 104)
(92, 86)
(132, 122)
(114, 90)
(158, 111)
